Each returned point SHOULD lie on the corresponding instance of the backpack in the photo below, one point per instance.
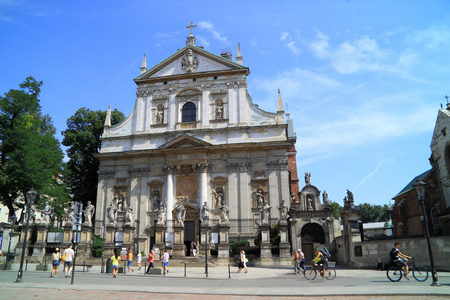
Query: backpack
(325, 253)
(392, 255)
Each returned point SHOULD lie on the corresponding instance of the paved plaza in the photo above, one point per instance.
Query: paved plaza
(259, 283)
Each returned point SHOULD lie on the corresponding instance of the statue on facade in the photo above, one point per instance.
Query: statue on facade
(224, 211)
(70, 212)
(219, 111)
(32, 216)
(325, 198)
(156, 199)
(308, 178)
(206, 212)
(309, 200)
(292, 198)
(189, 63)
(112, 213)
(219, 197)
(88, 214)
(283, 209)
(129, 217)
(259, 197)
(160, 115)
(180, 213)
(162, 214)
(121, 201)
(265, 213)
(46, 213)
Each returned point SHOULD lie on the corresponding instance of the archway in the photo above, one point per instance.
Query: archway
(312, 234)
(191, 227)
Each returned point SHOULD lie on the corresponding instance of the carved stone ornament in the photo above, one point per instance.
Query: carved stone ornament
(189, 62)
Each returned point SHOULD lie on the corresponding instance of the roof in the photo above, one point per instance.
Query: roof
(409, 187)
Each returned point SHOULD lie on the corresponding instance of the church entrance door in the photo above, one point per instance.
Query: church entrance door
(191, 228)
(311, 235)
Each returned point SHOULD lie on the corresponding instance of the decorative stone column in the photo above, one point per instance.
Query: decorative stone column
(160, 230)
(84, 247)
(19, 246)
(224, 245)
(351, 234)
(108, 247)
(284, 245)
(128, 237)
(179, 248)
(205, 229)
(41, 240)
(266, 249)
(68, 236)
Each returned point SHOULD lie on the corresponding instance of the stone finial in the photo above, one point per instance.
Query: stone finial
(144, 65)
(239, 58)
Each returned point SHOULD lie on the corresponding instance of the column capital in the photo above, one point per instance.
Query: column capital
(169, 169)
(203, 167)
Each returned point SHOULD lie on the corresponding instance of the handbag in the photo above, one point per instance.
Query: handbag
(63, 258)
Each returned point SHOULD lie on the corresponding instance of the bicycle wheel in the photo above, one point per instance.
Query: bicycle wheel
(310, 273)
(420, 273)
(394, 274)
(330, 274)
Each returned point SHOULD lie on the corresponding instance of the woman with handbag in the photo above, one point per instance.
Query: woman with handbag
(56, 259)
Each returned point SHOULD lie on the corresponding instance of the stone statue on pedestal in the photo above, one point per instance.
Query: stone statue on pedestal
(70, 212)
(308, 178)
(88, 214)
(348, 201)
(206, 212)
(224, 214)
(129, 217)
(265, 213)
(259, 198)
(112, 213)
(46, 213)
(219, 197)
(325, 198)
(283, 211)
(162, 214)
(180, 213)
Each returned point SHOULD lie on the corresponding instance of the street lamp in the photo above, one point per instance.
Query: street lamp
(31, 196)
(420, 187)
(13, 220)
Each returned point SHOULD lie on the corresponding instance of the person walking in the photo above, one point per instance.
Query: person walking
(130, 260)
(242, 262)
(69, 255)
(151, 261)
(139, 259)
(56, 258)
(115, 261)
(165, 261)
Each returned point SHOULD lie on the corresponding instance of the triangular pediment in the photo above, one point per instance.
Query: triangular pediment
(189, 61)
(184, 141)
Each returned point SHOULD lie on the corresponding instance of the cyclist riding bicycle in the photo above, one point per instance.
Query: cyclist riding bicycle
(399, 258)
(321, 261)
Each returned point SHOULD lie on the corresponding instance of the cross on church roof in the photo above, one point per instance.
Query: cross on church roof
(191, 27)
(447, 98)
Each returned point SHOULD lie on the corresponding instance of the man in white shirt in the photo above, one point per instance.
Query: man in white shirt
(166, 262)
(68, 263)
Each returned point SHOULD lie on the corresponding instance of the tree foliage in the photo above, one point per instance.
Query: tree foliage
(31, 156)
(336, 208)
(83, 137)
(373, 213)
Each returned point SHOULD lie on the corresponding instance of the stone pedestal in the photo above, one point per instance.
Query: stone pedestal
(285, 247)
(19, 246)
(266, 249)
(351, 234)
(108, 246)
(179, 248)
(84, 247)
(128, 237)
(224, 245)
(205, 229)
(68, 236)
(41, 240)
(160, 230)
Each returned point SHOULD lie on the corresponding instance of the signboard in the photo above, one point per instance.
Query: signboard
(55, 237)
(123, 254)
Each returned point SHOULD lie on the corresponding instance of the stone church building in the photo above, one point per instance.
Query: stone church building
(194, 138)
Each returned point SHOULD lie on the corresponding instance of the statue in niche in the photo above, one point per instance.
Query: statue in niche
(160, 115)
(156, 199)
(180, 213)
(162, 214)
(70, 212)
(206, 212)
(265, 213)
(121, 201)
(219, 110)
(308, 178)
(325, 198)
(112, 213)
(259, 197)
(88, 214)
(218, 196)
(309, 200)
(46, 213)
(129, 217)
(224, 211)
(283, 209)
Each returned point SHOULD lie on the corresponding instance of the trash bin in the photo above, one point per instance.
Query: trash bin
(108, 266)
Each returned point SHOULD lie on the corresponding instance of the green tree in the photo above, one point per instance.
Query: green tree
(373, 213)
(31, 156)
(336, 208)
(83, 137)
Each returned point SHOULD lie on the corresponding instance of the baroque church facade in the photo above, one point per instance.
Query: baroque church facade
(195, 140)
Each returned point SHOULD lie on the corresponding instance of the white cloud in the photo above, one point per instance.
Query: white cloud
(371, 174)
(286, 38)
(210, 28)
(432, 38)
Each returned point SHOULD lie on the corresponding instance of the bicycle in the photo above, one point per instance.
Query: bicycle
(396, 272)
(311, 271)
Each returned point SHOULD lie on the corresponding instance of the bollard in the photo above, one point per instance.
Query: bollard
(229, 272)
(125, 267)
(102, 269)
(84, 264)
(26, 265)
(184, 269)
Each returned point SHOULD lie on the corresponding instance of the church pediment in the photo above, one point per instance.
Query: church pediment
(188, 61)
(184, 141)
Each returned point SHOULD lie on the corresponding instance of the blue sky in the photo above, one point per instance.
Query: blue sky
(362, 80)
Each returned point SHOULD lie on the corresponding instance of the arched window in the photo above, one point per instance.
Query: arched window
(189, 113)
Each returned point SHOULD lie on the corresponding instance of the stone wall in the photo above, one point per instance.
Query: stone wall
(374, 252)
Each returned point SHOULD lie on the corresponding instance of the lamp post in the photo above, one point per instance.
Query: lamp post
(31, 196)
(420, 187)
(13, 220)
